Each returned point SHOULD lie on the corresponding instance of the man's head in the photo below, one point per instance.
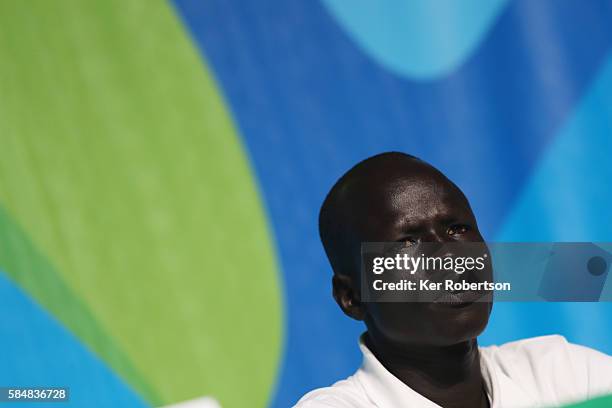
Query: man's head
(397, 197)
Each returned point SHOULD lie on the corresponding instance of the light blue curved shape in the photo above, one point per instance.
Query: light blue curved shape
(567, 199)
(569, 195)
(419, 39)
(37, 351)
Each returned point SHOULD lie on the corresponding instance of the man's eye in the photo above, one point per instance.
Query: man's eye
(458, 229)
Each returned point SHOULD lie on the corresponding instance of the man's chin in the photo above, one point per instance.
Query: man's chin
(457, 323)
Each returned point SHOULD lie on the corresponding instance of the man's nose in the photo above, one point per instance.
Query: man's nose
(433, 242)
(434, 235)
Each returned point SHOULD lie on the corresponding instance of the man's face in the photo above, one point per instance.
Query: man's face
(422, 207)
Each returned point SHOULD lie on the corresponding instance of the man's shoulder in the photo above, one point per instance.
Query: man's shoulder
(542, 347)
(537, 352)
(551, 362)
(346, 393)
(553, 342)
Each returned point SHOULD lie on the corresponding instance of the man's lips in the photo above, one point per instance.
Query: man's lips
(464, 298)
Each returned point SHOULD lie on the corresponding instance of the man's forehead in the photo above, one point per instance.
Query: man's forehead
(415, 198)
(391, 187)
(426, 184)
(406, 199)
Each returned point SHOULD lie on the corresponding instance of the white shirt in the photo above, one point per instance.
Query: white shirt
(539, 372)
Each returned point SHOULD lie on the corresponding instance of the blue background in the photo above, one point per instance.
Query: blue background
(512, 100)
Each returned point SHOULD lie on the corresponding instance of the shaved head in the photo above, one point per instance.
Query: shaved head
(395, 197)
(355, 200)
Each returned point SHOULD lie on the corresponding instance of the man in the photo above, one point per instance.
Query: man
(426, 354)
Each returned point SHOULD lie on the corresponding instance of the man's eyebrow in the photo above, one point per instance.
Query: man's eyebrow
(408, 223)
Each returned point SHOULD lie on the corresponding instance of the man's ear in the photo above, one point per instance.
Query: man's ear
(347, 297)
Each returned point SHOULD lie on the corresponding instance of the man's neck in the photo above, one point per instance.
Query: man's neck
(450, 376)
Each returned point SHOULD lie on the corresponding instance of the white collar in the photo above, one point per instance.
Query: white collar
(386, 391)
